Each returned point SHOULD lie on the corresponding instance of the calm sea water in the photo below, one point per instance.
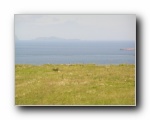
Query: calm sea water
(46, 52)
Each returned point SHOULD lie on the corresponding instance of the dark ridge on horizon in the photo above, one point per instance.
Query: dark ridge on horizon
(58, 39)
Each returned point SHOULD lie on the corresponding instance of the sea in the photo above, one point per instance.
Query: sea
(76, 52)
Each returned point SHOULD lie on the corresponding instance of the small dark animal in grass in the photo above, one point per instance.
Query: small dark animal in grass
(55, 69)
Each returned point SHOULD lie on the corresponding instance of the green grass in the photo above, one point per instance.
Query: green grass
(77, 84)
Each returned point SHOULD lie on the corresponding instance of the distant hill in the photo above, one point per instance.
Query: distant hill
(58, 39)
(55, 39)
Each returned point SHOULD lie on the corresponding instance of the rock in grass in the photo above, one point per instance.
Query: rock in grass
(55, 69)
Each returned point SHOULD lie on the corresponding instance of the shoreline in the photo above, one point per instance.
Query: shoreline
(79, 64)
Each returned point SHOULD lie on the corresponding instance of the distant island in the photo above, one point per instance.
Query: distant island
(52, 39)
(128, 49)
(59, 39)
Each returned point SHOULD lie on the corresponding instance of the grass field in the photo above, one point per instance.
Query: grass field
(76, 84)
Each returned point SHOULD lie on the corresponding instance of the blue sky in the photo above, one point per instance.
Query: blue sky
(84, 27)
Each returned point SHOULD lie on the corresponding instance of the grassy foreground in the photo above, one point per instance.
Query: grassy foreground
(77, 84)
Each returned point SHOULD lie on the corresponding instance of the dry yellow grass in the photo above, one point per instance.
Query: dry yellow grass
(78, 84)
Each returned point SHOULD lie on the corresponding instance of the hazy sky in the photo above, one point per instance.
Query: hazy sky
(85, 27)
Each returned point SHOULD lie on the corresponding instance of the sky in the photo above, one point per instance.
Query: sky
(83, 27)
